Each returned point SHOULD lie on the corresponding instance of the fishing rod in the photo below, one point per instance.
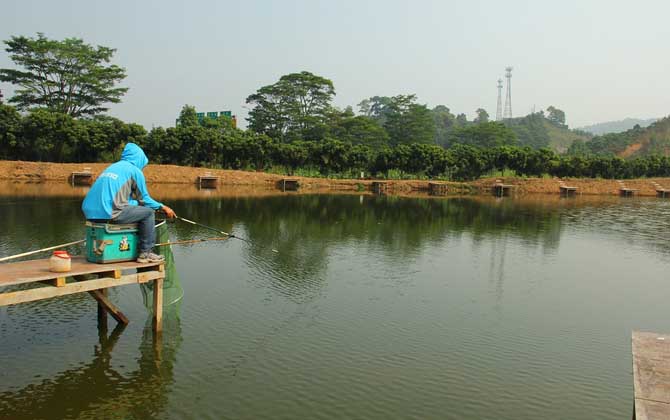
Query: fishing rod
(230, 235)
(25, 254)
(192, 241)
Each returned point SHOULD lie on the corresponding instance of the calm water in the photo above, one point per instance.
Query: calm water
(373, 308)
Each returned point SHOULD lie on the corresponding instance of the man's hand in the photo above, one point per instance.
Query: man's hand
(168, 212)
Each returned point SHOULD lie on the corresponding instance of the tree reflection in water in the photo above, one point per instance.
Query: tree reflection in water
(96, 387)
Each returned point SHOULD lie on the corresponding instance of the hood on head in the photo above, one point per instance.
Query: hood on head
(135, 155)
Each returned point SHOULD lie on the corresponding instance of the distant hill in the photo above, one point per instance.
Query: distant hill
(536, 131)
(638, 141)
(617, 126)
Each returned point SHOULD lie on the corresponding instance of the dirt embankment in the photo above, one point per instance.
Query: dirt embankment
(39, 172)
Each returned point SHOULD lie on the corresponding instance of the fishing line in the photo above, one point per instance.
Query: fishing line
(230, 235)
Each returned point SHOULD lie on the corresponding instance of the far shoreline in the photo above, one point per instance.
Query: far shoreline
(20, 172)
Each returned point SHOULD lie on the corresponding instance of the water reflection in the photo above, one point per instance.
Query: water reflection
(397, 297)
(96, 386)
(99, 386)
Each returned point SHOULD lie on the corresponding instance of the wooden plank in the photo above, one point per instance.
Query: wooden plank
(651, 410)
(109, 306)
(12, 298)
(158, 305)
(651, 375)
(38, 270)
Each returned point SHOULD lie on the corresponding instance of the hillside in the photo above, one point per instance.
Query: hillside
(617, 126)
(632, 143)
(536, 131)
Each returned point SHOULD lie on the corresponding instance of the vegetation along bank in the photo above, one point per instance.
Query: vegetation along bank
(295, 129)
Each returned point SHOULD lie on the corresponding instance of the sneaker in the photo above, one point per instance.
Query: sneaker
(149, 257)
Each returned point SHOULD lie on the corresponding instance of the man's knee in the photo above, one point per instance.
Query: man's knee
(145, 212)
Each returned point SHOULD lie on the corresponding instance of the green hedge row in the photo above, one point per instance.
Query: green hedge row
(46, 136)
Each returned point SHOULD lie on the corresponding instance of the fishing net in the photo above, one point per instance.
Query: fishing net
(172, 290)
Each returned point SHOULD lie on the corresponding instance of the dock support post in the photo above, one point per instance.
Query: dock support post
(108, 307)
(102, 313)
(158, 305)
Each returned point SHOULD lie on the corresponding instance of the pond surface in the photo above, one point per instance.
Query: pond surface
(372, 308)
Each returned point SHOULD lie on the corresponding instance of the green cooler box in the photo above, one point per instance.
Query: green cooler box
(108, 243)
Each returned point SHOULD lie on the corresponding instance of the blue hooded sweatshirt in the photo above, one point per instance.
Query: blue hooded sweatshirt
(117, 185)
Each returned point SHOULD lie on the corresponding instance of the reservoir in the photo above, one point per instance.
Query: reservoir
(373, 307)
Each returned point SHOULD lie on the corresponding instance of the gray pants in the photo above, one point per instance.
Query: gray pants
(144, 217)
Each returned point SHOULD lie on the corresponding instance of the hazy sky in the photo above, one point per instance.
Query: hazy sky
(596, 60)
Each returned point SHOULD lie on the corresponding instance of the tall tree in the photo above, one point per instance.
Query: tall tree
(486, 135)
(414, 124)
(461, 120)
(482, 116)
(404, 120)
(556, 116)
(295, 107)
(187, 117)
(444, 121)
(376, 107)
(66, 76)
(359, 129)
(10, 132)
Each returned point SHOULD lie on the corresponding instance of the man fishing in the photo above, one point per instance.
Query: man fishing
(120, 195)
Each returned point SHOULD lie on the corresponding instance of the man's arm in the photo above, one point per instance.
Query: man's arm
(145, 199)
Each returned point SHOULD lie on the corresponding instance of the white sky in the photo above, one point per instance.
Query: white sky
(596, 60)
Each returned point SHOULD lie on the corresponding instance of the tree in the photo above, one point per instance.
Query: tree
(10, 132)
(485, 135)
(406, 121)
(51, 136)
(376, 108)
(556, 116)
(106, 138)
(358, 129)
(67, 76)
(187, 117)
(293, 108)
(482, 116)
(461, 120)
(531, 130)
(444, 121)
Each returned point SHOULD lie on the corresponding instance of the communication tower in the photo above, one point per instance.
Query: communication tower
(499, 108)
(508, 99)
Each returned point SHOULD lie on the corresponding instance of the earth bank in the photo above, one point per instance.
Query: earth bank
(40, 172)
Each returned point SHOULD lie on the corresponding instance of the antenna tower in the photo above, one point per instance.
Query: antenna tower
(508, 99)
(499, 109)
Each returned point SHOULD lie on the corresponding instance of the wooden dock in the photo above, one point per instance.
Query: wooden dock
(661, 192)
(651, 375)
(289, 184)
(502, 190)
(208, 181)
(437, 188)
(380, 187)
(84, 177)
(624, 191)
(566, 190)
(84, 277)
